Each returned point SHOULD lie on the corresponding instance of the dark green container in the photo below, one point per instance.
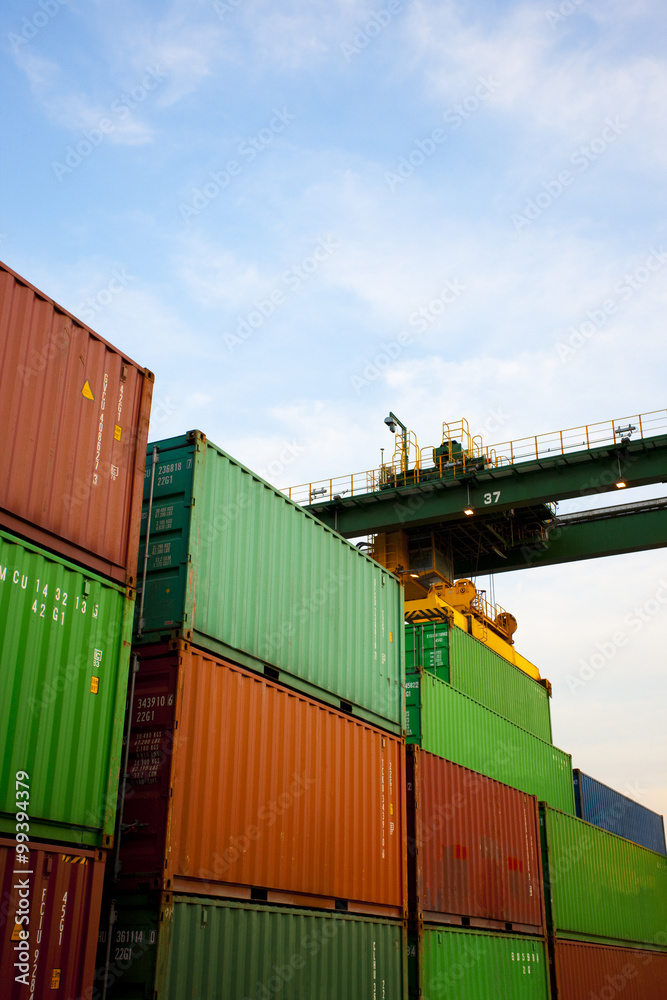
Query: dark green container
(64, 653)
(427, 646)
(204, 948)
(452, 725)
(453, 964)
(243, 572)
(600, 887)
(471, 667)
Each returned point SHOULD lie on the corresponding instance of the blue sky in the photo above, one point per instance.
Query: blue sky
(302, 215)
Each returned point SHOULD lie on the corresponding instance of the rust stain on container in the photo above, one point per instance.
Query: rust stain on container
(74, 413)
(52, 898)
(243, 788)
(474, 848)
(582, 971)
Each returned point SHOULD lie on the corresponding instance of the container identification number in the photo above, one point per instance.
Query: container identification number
(156, 701)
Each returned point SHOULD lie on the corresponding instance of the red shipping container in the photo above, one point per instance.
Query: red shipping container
(473, 848)
(49, 920)
(582, 971)
(241, 787)
(74, 414)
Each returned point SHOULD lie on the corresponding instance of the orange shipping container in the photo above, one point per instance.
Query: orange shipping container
(74, 415)
(240, 787)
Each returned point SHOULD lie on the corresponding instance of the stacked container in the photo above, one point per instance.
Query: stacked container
(604, 807)
(74, 413)
(606, 908)
(479, 757)
(266, 756)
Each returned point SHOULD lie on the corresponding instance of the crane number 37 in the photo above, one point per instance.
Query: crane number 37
(492, 497)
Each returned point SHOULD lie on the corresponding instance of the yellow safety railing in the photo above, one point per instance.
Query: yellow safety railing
(528, 449)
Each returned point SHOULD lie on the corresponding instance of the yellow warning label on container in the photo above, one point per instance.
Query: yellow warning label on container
(391, 808)
(94, 685)
(117, 432)
(73, 859)
(55, 979)
(391, 637)
(16, 933)
(87, 391)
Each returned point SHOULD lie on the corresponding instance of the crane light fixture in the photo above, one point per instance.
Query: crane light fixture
(468, 509)
(620, 483)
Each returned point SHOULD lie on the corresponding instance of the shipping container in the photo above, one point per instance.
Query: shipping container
(600, 887)
(427, 646)
(74, 414)
(604, 807)
(471, 667)
(473, 848)
(64, 652)
(243, 572)
(51, 899)
(582, 971)
(452, 725)
(456, 964)
(211, 949)
(242, 787)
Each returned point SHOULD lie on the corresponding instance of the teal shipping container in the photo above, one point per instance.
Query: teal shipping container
(212, 949)
(64, 654)
(477, 965)
(478, 671)
(239, 570)
(452, 725)
(600, 887)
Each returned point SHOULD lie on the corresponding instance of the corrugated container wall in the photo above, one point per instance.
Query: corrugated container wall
(64, 653)
(259, 786)
(448, 723)
(473, 848)
(245, 573)
(478, 965)
(604, 807)
(485, 676)
(51, 904)
(590, 972)
(74, 415)
(209, 948)
(599, 886)
(471, 667)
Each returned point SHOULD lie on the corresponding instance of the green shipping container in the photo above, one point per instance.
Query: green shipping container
(600, 887)
(212, 949)
(427, 645)
(478, 965)
(243, 572)
(450, 724)
(471, 667)
(64, 652)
